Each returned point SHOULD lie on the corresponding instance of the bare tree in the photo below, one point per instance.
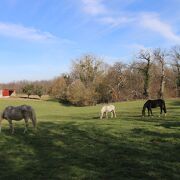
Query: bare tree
(145, 69)
(159, 56)
(175, 54)
(87, 68)
(117, 80)
(135, 81)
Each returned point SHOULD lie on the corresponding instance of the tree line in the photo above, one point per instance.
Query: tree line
(152, 74)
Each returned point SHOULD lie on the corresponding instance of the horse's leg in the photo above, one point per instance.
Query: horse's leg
(112, 114)
(102, 113)
(151, 111)
(106, 114)
(101, 116)
(164, 111)
(148, 111)
(26, 125)
(143, 111)
(160, 111)
(11, 126)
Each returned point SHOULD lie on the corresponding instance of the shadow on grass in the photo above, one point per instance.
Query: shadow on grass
(65, 103)
(170, 124)
(71, 117)
(30, 98)
(176, 103)
(144, 132)
(67, 150)
(139, 118)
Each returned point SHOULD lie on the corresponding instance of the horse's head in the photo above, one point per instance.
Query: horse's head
(143, 112)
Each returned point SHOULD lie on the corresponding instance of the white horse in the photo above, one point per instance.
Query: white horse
(106, 109)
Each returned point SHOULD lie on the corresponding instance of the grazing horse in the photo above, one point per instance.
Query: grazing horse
(18, 113)
(106, 109)
(153, 104)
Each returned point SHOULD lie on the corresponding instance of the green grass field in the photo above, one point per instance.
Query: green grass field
(73, 143)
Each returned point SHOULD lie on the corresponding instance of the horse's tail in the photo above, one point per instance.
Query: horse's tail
(33, 118)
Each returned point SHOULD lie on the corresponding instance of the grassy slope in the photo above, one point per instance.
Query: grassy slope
(73, 143)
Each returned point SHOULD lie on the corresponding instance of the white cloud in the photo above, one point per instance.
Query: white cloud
(147, 20)
(97, 7)
(136, 46)
(93, 7)
(26, 33)
(116, 21)
(153, 23)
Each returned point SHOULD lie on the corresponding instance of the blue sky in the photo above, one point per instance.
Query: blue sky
(40, 38)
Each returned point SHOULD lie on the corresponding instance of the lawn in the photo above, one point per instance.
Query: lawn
(73, 143)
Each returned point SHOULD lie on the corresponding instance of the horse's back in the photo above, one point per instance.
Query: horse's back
(161, 101)
(103, 109)
(17, 112)
(112, 106)
(158, 102)
(26, 108)
(11, 112)
(108, 108)
(154, 103)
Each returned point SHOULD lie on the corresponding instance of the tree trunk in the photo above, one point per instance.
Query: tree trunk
(162, 83)
(178, 82)
(147, 79)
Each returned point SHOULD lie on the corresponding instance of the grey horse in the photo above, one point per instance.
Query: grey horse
(18, 113)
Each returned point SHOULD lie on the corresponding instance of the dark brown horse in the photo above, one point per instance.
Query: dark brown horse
(153, 104)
